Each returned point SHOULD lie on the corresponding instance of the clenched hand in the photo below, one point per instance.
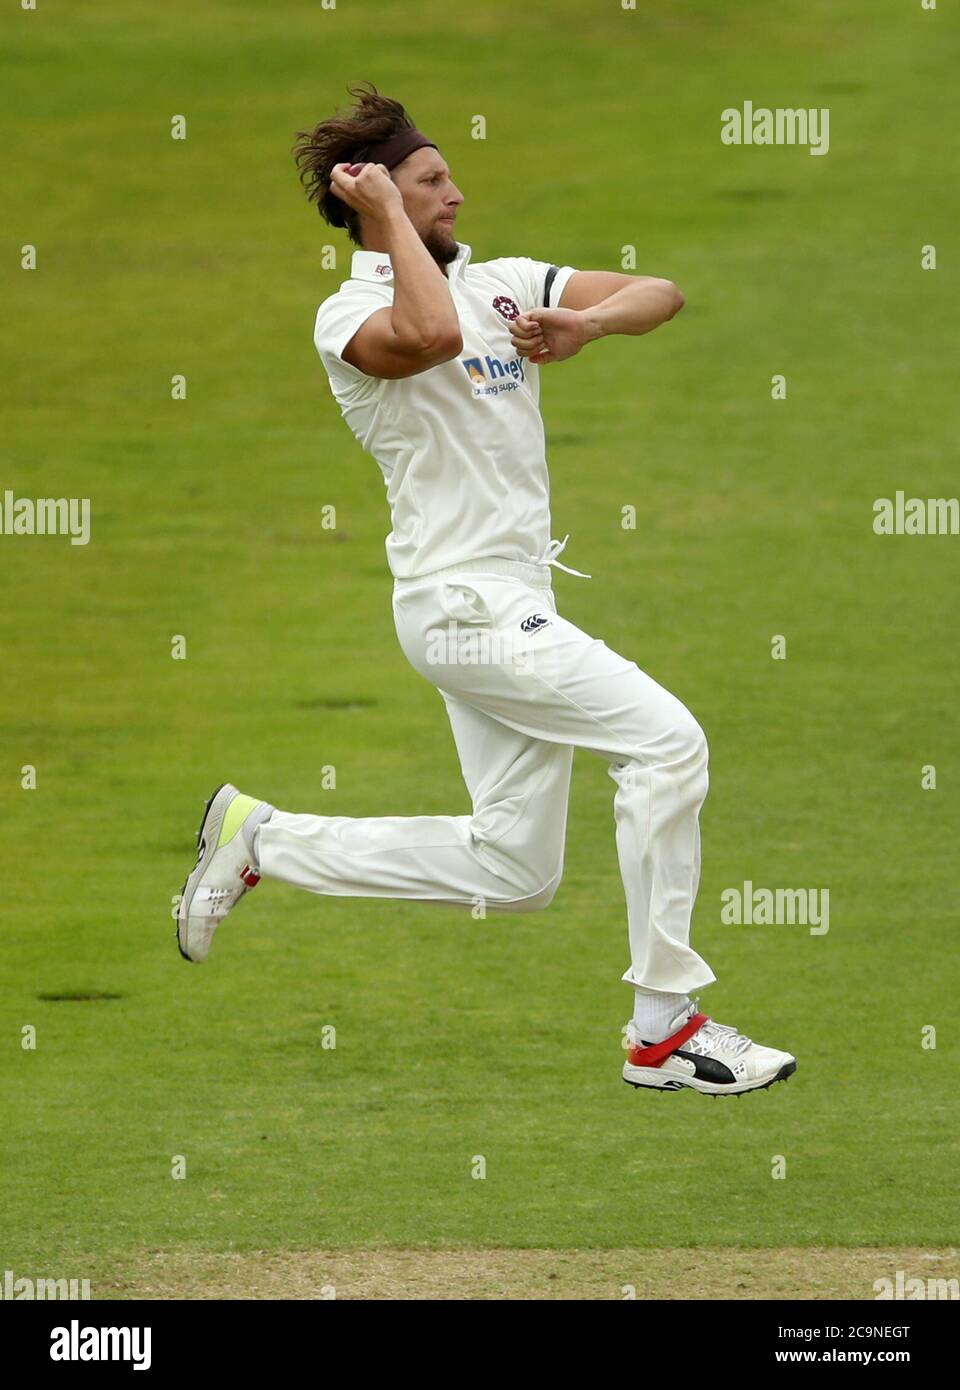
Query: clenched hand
(548, 335)
(371, 192)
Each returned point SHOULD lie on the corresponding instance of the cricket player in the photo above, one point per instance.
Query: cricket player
(434, 361)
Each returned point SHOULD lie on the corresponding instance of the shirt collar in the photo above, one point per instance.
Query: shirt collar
(375, 265)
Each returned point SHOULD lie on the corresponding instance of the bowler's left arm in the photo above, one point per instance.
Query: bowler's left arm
(594, 304)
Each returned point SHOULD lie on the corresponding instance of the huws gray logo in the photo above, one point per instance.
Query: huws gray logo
(492, 376)
(534, 623)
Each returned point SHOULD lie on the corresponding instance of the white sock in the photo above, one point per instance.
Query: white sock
(653, 1013)
(251, 829)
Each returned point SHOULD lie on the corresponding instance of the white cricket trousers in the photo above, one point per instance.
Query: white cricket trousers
(523, 687)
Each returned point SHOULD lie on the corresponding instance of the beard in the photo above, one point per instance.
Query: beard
(442, 247)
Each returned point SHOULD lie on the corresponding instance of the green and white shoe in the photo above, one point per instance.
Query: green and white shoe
(226, 868)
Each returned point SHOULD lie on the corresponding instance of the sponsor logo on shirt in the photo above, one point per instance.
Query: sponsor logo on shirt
(492, 376)
(385, 270)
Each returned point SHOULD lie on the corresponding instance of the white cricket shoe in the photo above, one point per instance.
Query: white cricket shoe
(226, 868)
(704, 1056)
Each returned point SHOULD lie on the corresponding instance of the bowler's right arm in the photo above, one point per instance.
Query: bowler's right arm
(421, 328)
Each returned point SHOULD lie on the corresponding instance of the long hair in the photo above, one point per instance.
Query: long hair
(346, 136)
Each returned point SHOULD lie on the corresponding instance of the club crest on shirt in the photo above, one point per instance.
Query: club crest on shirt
(506, 307)
(383, 270)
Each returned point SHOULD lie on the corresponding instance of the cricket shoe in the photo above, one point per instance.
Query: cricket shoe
(704, 1056)
(226, 868)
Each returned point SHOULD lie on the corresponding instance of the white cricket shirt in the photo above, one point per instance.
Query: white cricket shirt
(461, 446)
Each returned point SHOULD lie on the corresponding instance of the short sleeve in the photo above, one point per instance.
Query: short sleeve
(539, 283)
(555, 281)
(338, 319)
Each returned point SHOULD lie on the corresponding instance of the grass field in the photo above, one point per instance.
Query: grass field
(457, 1038)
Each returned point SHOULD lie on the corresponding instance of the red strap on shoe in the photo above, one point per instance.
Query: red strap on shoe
(657, 1053)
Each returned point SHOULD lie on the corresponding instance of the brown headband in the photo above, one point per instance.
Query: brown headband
(395, 150)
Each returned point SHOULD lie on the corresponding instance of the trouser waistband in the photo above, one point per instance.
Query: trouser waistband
(536, 575)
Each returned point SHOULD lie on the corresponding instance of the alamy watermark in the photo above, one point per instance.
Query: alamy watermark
(76, 1343)
(782, 125)
(14, 1288)
(902, 1287)
(751, 906)
(900, 515)
(458, 644)
(45, 516)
